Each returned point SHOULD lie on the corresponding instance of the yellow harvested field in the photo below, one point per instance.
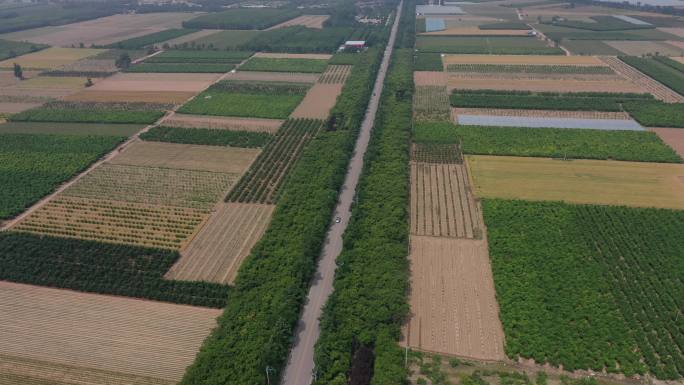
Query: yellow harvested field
(553, 85)
(216, 252)
(452, 299)
(442, 204)
(542, 113)
(579, 181)
(223, 123)
(231, 160)
(111, 221)
(318, 101)
(153, 82)
(50, 58)
(430, 78)
(102, 31)
(259, 76)
(322, 56)
(90, 95)
(523, 59)
(309, 21)
(474, 31)
(64, 337)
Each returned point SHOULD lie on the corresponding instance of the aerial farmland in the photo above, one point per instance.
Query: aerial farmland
(402, 192)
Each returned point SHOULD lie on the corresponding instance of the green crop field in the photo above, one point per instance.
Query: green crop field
(69, 128)
(207, 136)
(589, 287)
(431, 103)
(670, 75)
(531, 68)
(32, 165)
(285, 65)
(86, 112)
(9, 49)
(241, 18)
(197, 56)
(38, 15)
(589, 47)
(225, 40)
(578, 101)
(642, 146)
(657, 114)
(150, 39)
(298, 39)
(181, 67)
(247, 99)
(485, 45)
(428, 62)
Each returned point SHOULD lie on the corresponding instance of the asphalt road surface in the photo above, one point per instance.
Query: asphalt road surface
(300, 366)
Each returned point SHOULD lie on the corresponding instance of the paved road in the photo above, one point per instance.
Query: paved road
(300, 365)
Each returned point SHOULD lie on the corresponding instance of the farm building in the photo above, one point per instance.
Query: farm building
(354, 45)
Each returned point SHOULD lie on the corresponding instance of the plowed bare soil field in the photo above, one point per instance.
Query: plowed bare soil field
(544, 85)
(335, 74)
(13, 108)
(114, 222)
(474, 31)
(638, 48)
(523, 59)
(645, 83)
(430, 78)
(638, 184)
(318, 101)
(322, 56)
(187, 156)
(223, 123)
(257, 76)
(102, 31)
(309, 21)
(543, 113)
(442, 204)
(49, 58)
(51, 332)
(452, 298)
(167, 97)
(216, 252)
(673, 137)
(154, 82)
(674, 31)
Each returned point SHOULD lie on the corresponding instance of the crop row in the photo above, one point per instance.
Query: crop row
(284, 65)
(436, 153)
(150, 39)
(262, 181)
(101, 268)
(657, 114)
(671, 76)
(335, 74)
(193, 56)
(431, 103)
(530, 68)
(613, 282)
(257, 326)
(298, 39)
(207, 136)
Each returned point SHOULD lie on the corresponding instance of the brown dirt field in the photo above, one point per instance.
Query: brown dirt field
(57, 82)
(110, 221)
(679, 59)
(217, 251)
(453, 300)
(335, 74)
(130, 96)
(673, 137)
(474, 31)
(50, 58)
(638, 48)
(34, 94)
(322, 56)
(152, 82)
(643, 82)
(13, 108)
(638, 184)
(128, 337)
(187, 156)
(272, 76)
(544, 85)
(309, 21)
(430, 78)
(318, 101)
(536, 76)
(7, 77)
(102, 31)
(677, 44)
(523, 59)
(223, 123)
(442, 204)
(543, 113)
(190, 37)
(674, 31)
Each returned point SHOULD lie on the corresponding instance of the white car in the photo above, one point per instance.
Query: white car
(338, 219)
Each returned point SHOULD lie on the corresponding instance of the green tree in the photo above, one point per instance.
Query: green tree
(18, 72)
(124, 61)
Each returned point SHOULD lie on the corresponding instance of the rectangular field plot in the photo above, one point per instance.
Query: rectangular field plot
(74, 335)
(166, 97)
(216, 252)
(151, 185)
(130, 82)
(70, 128)
(284, 65)
(309, 21)
(523, 60)
(115, 222)
(612, 275)
(442, 204)
(335, 74)
(430, 78)
(453, 302)
(261, 76)
(534, 122)
(187, 157)
(642, 81)
(598, 115)
(49, 58)
(431, 103)
(579, 181)
(674, 137)
(543, 85)
(223, 123)
(485, 45)
(639, 48)
(318, 101)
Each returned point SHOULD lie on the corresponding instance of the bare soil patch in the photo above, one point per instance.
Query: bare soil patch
(673, 137)
(643, 82)
(674, 31)
(223, 123)
(442, 204)
(318, 101)
(474, 31)
(216, 252)
(452, 298)
(309, 21)
(430, 78)
(187, 156)
(13, 108)
(545, 85)
(322, 56)
(257, 76)
(523, 59)
(639, 48)
(154, 82)
(130, 96)
(72, 330)
(543, 113)
(7, 77)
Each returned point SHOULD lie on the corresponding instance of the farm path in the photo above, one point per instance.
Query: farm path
(300, 365)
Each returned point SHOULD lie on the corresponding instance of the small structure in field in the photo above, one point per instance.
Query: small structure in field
(353, 45)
